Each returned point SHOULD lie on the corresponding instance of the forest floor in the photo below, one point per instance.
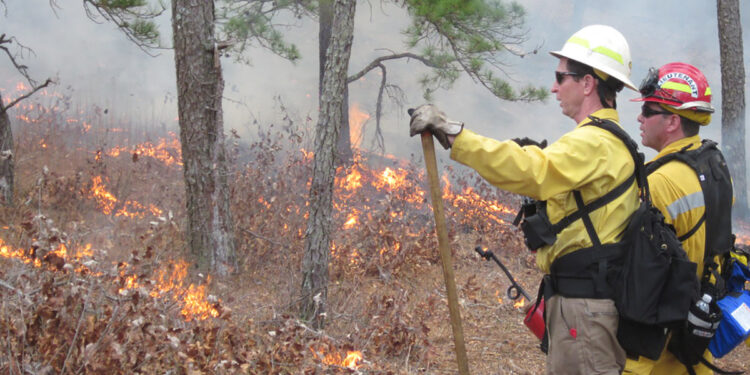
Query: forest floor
(95, 276)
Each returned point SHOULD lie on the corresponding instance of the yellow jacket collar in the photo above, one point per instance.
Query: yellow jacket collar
(604, 114)
(693, 142)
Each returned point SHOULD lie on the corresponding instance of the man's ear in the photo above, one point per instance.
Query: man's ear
(674, 123)
(589, 84)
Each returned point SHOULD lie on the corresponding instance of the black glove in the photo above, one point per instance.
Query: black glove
(428, 117)
(525, 141)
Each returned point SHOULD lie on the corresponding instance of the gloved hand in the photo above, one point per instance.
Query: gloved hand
(525, 141)
(429, 117)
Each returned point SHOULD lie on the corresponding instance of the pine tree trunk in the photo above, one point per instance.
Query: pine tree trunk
(318, 235)
(344, 145)
(6, 157)
(199, 93)
(733, 100)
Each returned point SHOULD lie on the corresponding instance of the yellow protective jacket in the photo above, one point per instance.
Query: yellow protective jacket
(589, 159)
(676, 192)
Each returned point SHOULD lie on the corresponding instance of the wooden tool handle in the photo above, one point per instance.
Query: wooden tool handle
(428, 146)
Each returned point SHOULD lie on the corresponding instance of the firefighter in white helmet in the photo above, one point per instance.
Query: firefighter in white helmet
(586, 163)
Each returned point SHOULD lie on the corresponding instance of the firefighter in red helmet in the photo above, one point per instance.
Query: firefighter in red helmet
(676, 104)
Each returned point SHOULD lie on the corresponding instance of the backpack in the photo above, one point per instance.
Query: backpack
(713, 174)
(655, 283)
(709, 165)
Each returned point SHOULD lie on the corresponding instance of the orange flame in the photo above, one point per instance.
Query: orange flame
(357, 119)
(167, 151)
(107, 202)
(104, 199)
(352, 360)
(195, 306)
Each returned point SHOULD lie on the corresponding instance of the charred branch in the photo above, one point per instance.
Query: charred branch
(23, 69)
(4, 108)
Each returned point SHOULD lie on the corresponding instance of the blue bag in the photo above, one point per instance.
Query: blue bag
(735, 306)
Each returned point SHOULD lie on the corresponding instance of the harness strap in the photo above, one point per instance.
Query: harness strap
(693, 229)
(585, 210)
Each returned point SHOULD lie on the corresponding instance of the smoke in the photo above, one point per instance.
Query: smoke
(101, 66)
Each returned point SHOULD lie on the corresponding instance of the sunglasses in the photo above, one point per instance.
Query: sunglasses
(560, 76)
(647, 112)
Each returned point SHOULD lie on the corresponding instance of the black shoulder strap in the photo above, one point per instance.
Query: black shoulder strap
(711, 169)
(638, 175)
(639, 171)
(651, 167)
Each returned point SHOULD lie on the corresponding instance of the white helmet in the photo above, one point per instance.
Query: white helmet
(600, 47)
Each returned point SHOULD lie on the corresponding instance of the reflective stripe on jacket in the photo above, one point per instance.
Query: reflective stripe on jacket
(589, 159)
(676, 192)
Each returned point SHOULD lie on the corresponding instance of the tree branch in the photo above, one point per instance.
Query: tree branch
(136, 24)
(377, 62)
(23, 69)
(4, 108)
(379, 108)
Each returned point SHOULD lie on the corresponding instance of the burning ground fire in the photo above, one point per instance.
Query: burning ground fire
(395, 183)
(352, 360)
(169, 281)
(107, 202)
(168, 152)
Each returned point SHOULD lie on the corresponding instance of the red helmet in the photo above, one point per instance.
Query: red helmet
(678, 85)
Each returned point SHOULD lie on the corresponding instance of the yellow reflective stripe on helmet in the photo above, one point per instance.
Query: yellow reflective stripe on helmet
(708, 91)
(677, 86)
(601, 50)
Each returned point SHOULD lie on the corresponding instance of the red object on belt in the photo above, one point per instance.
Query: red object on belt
(535, 319)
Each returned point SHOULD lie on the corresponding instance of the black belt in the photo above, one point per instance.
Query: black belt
(584, 273)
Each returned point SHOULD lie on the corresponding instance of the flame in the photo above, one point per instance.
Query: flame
(352, 360)
(357, 119)
(20, 87)
(351, 221)
(497, 295)
(107, 202)
(170, 280)
(168, 152)
(352, 181)
(27, 256)
(520, 303)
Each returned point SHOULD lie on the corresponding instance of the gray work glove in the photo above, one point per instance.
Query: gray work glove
(429, 117)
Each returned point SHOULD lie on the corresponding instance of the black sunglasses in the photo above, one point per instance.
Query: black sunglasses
(647, 112)
(560, 76)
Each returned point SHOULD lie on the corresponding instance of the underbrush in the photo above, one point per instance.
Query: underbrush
(95, 276)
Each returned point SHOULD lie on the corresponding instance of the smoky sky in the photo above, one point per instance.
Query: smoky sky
(98, 65)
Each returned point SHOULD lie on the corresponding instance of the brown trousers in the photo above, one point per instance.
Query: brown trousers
(583, 337)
